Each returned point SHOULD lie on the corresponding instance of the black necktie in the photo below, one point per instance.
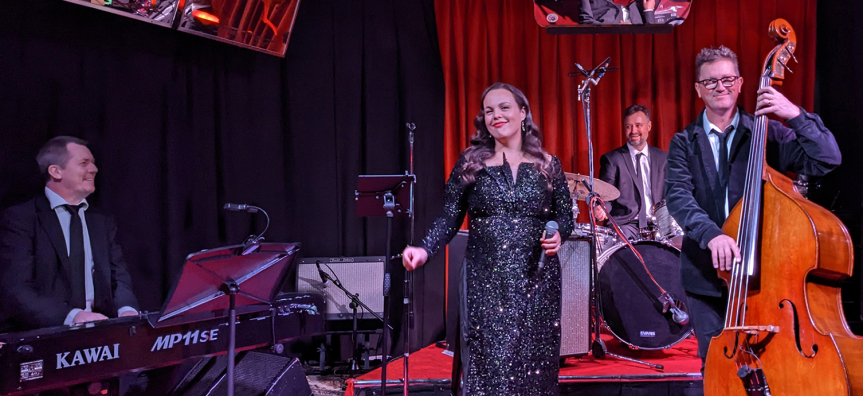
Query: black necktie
(76, 257)
(722, 169)
(642, 212)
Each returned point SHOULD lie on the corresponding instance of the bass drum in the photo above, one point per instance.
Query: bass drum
(629, 298)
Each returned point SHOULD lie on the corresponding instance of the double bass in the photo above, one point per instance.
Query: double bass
(784, 331)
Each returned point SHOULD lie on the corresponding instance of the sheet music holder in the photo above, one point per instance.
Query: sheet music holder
(225, 281)
(371, 193)
(197, 295)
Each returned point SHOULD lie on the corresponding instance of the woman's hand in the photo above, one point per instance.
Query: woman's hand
(551, 245)
(414, 257)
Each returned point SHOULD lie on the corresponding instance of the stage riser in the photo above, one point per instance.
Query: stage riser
(647, 388)
(413, 390)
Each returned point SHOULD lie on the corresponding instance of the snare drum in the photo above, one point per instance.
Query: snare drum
(668, 229)
(605, 237)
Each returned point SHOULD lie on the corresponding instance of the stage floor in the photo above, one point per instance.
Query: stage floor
(430, 370)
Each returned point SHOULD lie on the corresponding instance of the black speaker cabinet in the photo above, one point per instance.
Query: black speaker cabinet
(255, 374)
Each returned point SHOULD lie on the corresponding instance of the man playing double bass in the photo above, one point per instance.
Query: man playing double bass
(707, 165)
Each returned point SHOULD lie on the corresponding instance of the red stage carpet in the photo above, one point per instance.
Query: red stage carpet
(430, 364)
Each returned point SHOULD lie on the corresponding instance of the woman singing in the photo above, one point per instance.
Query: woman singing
(509, 306)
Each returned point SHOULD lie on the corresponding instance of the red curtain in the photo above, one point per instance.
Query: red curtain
(483, 41)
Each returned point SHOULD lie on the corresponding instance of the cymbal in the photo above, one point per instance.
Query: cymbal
(605, 190)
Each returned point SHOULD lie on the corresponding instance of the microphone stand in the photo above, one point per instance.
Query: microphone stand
(408, 309)
(598, 346)
(355, 302)
(231, 288)
(389, 207)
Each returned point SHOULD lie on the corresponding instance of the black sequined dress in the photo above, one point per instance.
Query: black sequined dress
(510, 311)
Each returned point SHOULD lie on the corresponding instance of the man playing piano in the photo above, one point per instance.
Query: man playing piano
(59, 261)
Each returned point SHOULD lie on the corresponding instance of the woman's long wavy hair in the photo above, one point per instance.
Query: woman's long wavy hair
(482, 143)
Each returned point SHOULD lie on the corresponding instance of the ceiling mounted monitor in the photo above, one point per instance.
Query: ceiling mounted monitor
(610, 16)
(263, 25)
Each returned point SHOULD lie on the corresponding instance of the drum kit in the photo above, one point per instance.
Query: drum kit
(631, 282)
(633, 288)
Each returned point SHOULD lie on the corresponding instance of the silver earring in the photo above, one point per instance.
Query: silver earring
(522, 126)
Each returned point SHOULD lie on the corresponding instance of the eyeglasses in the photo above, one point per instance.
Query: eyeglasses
(711, 83)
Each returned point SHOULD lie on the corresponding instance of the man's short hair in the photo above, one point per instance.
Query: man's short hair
(54, 152)
(708, 55)
(635, 109)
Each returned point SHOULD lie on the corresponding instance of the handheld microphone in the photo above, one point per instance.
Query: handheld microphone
(321, 273)
(550, 229)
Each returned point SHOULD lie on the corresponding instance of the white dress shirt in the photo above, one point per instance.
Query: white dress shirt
(714, 144)
(645, 175)
(57, 202)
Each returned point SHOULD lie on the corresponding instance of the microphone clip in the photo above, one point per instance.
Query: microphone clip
(253, 241)
(325, 277)
(593, 76)
(668, 304)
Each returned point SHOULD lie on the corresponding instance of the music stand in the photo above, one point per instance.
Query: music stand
(221, 282)
(376, 196)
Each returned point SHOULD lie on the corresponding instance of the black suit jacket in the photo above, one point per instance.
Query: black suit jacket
(616, 168)
(35, 282)
(808, 147)
(605, 12)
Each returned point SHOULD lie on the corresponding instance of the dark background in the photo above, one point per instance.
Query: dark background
(839, 101)
(180, 125)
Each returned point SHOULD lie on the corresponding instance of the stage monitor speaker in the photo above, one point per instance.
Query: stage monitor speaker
(360, 275)
(574, 257)
(255, 374)
(455, 259)
(575, 293)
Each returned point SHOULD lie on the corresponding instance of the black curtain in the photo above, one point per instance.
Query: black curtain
(839, 101)
(180, 125)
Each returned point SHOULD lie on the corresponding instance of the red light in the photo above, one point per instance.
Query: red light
(205, 17)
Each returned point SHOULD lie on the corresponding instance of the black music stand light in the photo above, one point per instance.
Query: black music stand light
(378, 196)
(225, 281)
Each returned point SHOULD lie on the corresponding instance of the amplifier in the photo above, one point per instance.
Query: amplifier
(359, 275)
(574, 257)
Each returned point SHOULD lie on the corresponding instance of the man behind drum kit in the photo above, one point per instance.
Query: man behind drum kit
(638, 171)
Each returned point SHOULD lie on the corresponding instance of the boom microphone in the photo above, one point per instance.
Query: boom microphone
(321, 273)
(240, 208)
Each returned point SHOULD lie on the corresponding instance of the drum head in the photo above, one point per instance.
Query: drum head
(630, 305)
